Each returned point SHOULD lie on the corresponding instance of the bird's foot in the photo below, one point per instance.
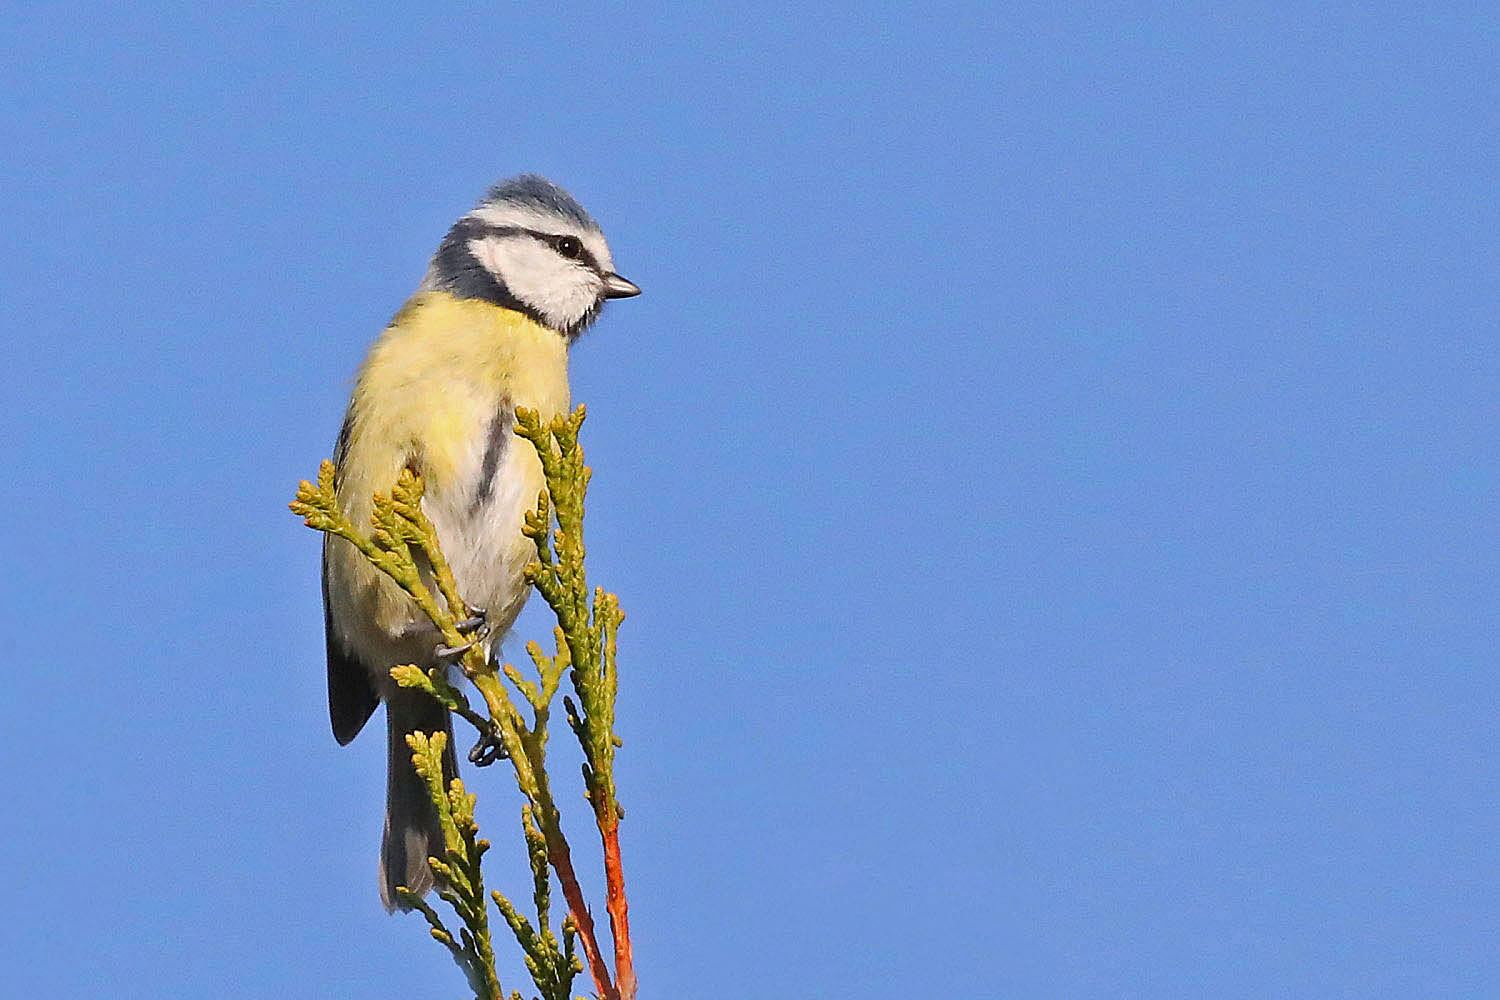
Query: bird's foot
(487, 750)
(481, 631)
(480, 616)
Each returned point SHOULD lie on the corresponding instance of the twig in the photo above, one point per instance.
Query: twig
(585, 649)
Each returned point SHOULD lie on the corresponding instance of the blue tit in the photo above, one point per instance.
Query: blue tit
(511, 287)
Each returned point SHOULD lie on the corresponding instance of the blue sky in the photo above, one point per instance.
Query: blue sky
(1050, 474)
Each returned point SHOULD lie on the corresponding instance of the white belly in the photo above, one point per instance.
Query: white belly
(482, 540)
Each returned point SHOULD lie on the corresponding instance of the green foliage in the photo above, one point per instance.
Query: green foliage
(460, 880)
(585, 637)
(584, 648)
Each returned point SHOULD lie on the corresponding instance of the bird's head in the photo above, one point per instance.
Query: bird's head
(530, 247)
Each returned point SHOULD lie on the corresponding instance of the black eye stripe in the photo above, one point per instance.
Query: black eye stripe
(551, 239)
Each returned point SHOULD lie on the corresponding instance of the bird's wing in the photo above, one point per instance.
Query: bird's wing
(352, 696)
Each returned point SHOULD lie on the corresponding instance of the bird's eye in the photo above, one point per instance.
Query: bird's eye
(569, 247)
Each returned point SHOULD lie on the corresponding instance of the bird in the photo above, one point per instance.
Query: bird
(511, 287)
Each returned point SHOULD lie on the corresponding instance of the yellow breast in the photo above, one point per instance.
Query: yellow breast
(427, 396)
(437, 373)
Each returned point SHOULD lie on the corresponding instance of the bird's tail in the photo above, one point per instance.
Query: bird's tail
(412, 832)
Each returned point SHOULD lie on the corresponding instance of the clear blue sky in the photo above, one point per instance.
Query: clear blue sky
(1051, 474)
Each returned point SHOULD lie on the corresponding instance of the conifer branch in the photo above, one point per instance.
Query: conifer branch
(585, 650)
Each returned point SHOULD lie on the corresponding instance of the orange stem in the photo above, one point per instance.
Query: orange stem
(562, 863)
(619, 910)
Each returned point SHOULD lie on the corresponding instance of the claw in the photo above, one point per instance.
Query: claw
(486, 751)
(478, 616)
(448, 652)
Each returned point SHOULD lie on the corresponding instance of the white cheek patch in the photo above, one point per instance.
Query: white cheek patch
(561, 291)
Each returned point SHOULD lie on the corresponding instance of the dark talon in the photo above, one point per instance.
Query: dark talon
(444, 652)
(487, 750)
(478, 616)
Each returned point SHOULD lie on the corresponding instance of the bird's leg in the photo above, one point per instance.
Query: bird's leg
(476, 629)
(488, 748)
(477, 624)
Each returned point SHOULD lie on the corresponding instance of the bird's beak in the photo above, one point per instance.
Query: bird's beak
(616, 287)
